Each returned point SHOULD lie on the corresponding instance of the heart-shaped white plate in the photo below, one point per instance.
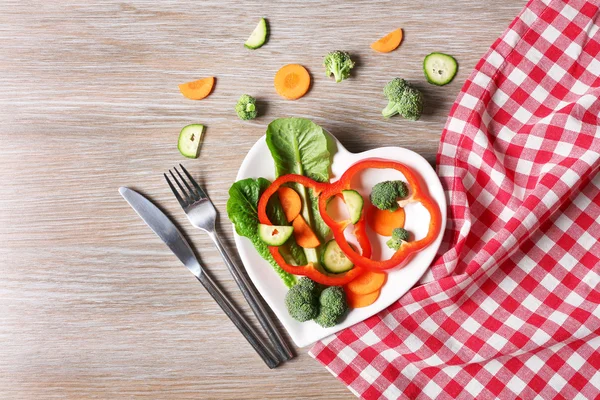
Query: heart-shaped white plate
(258, 163)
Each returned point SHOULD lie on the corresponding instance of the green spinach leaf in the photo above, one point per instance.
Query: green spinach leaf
(242, 210)
(242, 206)
(299, 146)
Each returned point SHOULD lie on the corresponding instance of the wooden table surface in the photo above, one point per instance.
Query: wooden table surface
(92, 304)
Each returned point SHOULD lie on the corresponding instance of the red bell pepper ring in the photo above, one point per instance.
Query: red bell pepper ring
(309, 270)
(418, 195)
(360, 229)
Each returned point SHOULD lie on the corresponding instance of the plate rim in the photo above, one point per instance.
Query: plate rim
(340, 151)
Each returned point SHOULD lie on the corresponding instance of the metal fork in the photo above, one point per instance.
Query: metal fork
(202, 214)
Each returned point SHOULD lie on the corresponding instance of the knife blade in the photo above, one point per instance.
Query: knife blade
(162, 226)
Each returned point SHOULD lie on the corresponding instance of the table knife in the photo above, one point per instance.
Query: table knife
(172, 237)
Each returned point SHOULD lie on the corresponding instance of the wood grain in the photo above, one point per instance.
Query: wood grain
(92, 305)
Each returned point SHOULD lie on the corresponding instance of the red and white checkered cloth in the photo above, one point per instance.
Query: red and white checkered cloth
(511, 308)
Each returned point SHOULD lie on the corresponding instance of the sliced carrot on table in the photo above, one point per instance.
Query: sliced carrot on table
(367, 282)
(389, 42)
(384, 222)
(197, 90)
(361, 300)
(292, 81)
(304, 236)
(290, 201)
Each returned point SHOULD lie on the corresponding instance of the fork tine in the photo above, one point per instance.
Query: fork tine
(185, 194)
(193, 194)
(175, 192)
(198, 188)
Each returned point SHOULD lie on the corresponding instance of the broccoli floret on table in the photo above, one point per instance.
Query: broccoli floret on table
(246, 107)
(411, 104)
(385, 195)
(333, 306)
(403, 99)
(339, 64)
(399, 235)
(301, 301)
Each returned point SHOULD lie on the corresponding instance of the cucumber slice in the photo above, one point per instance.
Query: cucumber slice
(274, 235)
(334, 260)
(354, 203)
(189, 140)
(258, 37)
(439, 68)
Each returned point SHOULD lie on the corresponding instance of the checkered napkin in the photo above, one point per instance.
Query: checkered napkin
(511, 307)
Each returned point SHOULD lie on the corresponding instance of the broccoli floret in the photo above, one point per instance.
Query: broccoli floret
(302, 302)
(333, 299)
(411, 104)
(403, 99)
(399, 235)
(333, 306)
(395, 89)
(308, 283)
(339, 64)
(246, 107)
(326, 319)
(385, 195)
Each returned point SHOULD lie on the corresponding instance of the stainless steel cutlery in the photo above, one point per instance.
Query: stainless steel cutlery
(170, 235)
(202, 214)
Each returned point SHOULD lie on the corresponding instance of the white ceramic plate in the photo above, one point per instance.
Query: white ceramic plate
(258, 163)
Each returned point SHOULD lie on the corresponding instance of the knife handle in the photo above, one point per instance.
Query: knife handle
(239, 321)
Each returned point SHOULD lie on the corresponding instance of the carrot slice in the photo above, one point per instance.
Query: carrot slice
(389, 42)
(305, 237)
(292, 81)
(361, 300)
(367, 282)
(383, 221)
(290, 201)
(197, 90)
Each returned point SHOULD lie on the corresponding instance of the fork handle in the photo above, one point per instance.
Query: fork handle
(238, 320)
(253, 299)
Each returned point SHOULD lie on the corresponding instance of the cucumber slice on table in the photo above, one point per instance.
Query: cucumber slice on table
(189, 140)
(439, 68)
(354, 203)
(258, 37)
(274, 235)
(334, 260)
